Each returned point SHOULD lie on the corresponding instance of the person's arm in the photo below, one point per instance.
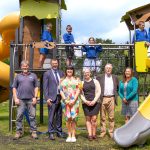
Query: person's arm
(66, 41)
(149, 33)
(134, 37)
(82, 95)
(46, 86)
(35, 90)
(72, 39)
(135, 89)
(97, 90)
(84, 48)
(119, 91)
(44, 36)
(99, 48)
(15, 85)
(64, 98)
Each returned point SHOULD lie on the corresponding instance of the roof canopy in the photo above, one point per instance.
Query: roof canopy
(134, 16)
(41, 9)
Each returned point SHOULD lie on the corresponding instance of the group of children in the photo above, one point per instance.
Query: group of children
(92, 52)
(92, 60)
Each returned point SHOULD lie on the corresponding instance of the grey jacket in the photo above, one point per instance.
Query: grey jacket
(101, 80)
(50, 85)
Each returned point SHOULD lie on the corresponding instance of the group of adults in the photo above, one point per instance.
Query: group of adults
(64, 92)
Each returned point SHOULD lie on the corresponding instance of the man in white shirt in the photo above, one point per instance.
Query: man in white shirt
(109, 86)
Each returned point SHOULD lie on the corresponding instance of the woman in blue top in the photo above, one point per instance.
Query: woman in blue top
(128, 92)
(92, 53)
(46, 36)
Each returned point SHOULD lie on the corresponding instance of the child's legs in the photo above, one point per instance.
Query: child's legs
(86, 64)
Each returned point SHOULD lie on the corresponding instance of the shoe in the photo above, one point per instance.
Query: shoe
(17, 135)
(94, 137)
(69, 139)
(73, 139)
(90, 138)
(51, 136)
(102, 135)
(61, 135)
(34, 135)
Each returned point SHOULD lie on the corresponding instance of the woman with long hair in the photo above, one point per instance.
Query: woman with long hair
(128, 92)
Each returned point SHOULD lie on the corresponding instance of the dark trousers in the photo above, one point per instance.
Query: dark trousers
(55, 112)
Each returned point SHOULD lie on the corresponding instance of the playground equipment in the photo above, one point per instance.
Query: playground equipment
(8, 27)
(142, 61)
(137, 130)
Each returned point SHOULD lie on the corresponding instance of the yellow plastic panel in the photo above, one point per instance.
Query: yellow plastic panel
(39, 9)
(148, 62)
(144, 109)
(140, 57)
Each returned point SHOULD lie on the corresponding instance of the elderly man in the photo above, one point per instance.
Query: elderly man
(25, 91)
(109, 85)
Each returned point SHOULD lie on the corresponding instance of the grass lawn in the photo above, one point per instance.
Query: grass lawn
(43, 143)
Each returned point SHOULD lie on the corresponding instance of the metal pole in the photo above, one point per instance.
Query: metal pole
(10, 85)
(41, 99)
(16, 65)
(31, 57)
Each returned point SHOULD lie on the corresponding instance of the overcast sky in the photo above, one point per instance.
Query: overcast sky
(98, 18)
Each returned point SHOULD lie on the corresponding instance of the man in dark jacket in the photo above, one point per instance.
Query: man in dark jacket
(52, 95)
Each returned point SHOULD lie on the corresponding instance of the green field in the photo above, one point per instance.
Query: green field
(43, 143)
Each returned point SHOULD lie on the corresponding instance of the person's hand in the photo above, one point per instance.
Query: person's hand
(71, 103)
(147, 44)
(88, 103)
(125, 101)
(92, 103)
(17, 101)
(34, 100)
(49, 102)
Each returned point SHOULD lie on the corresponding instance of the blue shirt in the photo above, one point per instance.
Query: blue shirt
(25, 85)
(68, 38)
(92, 51)
(47, 36)
(131, 90)
(149, 34)
(140, 36)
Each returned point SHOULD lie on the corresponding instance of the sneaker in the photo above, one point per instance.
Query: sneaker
(69, 139)
(34, 135)
(73, 139)
(17, 135)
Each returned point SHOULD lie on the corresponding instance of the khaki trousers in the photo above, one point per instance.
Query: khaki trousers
(107, 107)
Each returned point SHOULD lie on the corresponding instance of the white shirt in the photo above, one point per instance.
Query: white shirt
(109, 86)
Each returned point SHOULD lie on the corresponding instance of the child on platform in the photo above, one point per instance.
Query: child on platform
(92, 61)
(69, 39)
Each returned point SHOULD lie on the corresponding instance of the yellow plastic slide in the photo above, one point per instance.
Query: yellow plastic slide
(8, 26)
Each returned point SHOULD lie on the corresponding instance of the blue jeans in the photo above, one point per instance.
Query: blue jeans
(26, 105)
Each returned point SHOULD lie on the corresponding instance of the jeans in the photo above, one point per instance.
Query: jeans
(26, 105)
